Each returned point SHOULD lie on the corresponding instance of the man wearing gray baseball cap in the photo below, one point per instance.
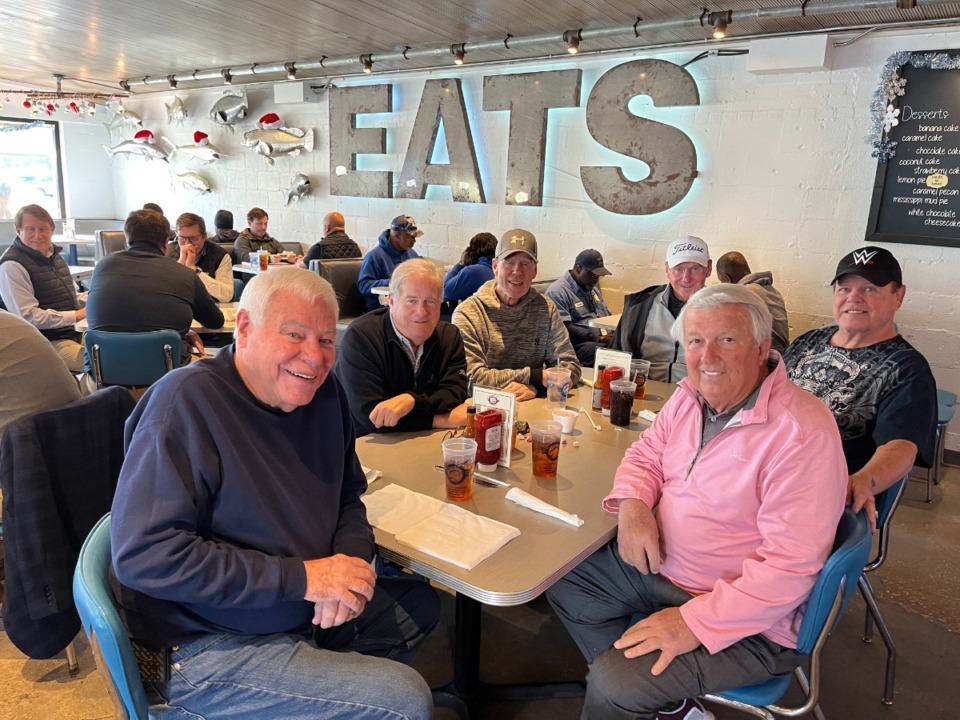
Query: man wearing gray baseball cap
(510, 331)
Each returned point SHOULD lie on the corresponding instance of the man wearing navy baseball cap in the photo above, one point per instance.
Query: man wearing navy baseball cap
(394, 245)
(578, 299)
(879, 388)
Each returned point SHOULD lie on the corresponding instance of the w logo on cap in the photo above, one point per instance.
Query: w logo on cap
(862, 257)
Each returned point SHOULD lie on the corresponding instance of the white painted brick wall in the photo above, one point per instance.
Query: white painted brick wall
(786, 177)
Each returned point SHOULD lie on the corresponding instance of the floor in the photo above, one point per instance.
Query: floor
(918, 590)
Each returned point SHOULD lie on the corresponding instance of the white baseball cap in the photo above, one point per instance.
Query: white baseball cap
(688, 249)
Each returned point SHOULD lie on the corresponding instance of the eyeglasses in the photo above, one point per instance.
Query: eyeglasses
(193, 239)
(454, 434)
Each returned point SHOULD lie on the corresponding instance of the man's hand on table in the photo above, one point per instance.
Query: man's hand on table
(638, 536)
(665, 631)
(193, 339)
(453, 419)
(389, 412)
(339, 587)
(523, 392)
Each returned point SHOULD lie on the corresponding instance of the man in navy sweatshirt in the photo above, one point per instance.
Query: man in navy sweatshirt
(240, 544)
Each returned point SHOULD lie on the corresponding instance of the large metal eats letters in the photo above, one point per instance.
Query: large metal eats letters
(668, 151)
(441, 101)
(347, 141)
(528, 97)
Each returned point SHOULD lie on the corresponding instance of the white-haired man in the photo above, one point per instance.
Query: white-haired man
(746, 474)
(239, 538)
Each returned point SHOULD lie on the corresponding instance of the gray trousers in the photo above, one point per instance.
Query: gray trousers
(604, 596)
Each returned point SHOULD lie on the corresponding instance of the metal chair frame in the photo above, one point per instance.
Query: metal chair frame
(164, 340)
(851, 550)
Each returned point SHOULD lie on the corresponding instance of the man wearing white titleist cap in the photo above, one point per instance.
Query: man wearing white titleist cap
(644, 327)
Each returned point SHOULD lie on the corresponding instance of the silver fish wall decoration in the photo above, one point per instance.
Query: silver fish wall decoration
(280, 141)
(230, 108)
(122, 118)
(132, 147)
(205, 154)
(176, 111)
(191, 181)
(299, 188)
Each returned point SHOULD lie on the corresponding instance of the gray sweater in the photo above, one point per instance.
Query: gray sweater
(507, 343)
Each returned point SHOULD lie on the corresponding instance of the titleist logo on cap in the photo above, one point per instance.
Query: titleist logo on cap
(686, 247)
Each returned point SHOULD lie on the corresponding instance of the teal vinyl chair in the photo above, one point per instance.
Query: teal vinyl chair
(101, 622)
(887, 503)
(829, 598)
(237, 289)
(132, 359)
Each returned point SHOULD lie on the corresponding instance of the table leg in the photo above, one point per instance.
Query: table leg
(466, 647)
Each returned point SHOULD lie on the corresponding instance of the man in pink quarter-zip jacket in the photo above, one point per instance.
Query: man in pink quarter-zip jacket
(728, 506)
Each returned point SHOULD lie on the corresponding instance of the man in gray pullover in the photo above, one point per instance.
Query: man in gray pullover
(510, 331)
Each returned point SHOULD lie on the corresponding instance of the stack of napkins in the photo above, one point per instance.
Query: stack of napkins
(536, 504)
(436, 528)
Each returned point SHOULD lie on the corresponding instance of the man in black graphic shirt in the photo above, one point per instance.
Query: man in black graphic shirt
(879, 388)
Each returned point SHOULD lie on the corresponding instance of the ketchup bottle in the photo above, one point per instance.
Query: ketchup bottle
(609, 375)
(487, 426)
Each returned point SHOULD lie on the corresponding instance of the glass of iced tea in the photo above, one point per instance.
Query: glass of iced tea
(459, 459)
(546, 447)
(639, 372)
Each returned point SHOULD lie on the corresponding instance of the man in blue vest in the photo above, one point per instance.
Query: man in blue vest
(35, 283)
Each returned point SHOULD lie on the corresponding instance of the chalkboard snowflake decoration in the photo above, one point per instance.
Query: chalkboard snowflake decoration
(883, 149)
(883, 116)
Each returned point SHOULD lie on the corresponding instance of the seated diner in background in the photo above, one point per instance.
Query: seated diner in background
(402, 367)
(579, 300)
(263, 593)
(140, 289)
(35, 283)
(648, 315)
(511, 332)
(719, 554)
(394, 245)
(208, 260)
(474, 269)
(255, 238)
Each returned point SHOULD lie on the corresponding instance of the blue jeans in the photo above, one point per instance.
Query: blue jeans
(347, 672)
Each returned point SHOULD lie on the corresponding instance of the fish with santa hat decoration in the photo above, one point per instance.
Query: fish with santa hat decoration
(272, 139)
(201, 150)
(143, 144)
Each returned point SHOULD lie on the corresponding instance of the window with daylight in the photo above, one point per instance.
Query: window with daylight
(30, 166)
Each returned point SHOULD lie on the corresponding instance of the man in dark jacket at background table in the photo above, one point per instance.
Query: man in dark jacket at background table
(404, 369)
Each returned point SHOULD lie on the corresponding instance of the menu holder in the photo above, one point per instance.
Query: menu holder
(485, 398)
(612, 358)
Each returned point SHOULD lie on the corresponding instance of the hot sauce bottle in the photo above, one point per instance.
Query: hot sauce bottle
(598, 387)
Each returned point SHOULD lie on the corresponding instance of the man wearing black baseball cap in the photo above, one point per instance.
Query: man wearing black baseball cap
(879, 388)
(394, 245)
(578, 299)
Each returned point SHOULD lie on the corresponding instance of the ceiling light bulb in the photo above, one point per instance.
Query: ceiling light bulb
(459, 53)
(367, 61)
(572, 39)
(719, 30)
(227, 77)
(291, 69)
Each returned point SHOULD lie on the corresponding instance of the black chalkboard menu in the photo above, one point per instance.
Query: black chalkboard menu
(916, 195)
